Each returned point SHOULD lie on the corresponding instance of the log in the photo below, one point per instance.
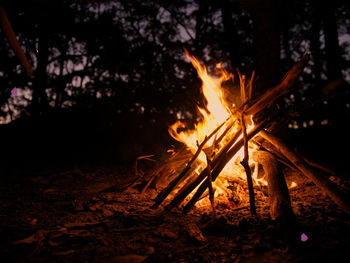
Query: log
(262, 143)
(280, 205)
(316, 165)
(341, 198)
(279, 200)
(283, 88)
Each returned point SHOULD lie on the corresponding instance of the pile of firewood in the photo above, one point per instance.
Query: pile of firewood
(271, 150)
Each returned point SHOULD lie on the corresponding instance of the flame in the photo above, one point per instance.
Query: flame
(216, 112)
(293, 184)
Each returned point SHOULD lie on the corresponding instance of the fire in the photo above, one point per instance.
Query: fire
(215, 113)
(293, 184)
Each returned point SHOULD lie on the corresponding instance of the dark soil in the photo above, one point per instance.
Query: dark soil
(81, 215)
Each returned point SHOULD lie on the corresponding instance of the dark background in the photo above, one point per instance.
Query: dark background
(109, 77)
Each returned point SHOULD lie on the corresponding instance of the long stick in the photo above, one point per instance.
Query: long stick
(6, 26)
(284, 87)
(210, 186)
(245, 164)
(337, 195)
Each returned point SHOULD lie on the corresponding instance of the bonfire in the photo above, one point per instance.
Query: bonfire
(230, 143)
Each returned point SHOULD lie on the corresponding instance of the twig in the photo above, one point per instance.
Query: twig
(245, 164)
(250, 86)
(210, 186)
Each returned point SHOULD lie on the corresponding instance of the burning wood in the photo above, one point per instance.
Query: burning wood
(225, 136)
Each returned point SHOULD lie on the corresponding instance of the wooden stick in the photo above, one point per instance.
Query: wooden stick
(316, 165)
(250, 86)
(242, 85)
(6, 26)
(224, 133)
(283, 88)
(210, 186)
(166, 191)
(337, 195)
(245, 164)
(261, 142)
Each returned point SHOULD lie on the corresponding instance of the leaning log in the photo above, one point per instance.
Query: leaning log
(283, 88)
(280, 205)
(331, 189)
(279, 200)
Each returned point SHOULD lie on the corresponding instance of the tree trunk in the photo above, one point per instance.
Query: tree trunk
(39, 99)
(266, 36)
(315, 43)
(231, 36)
(333, 57)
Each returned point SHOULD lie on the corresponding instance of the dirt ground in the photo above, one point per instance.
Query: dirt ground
(81, 215)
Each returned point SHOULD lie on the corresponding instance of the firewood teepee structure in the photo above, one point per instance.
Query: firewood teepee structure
(270, 150)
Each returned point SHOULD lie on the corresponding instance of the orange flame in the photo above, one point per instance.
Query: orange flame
(215, 113)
